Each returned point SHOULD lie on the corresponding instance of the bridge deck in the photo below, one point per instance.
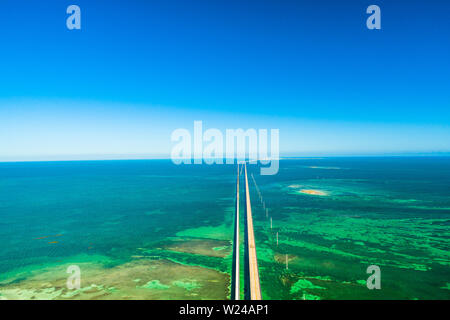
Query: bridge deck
(254, 284)
(235, 295)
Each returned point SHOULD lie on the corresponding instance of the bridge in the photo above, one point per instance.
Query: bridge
(235, 287)
(252, 287)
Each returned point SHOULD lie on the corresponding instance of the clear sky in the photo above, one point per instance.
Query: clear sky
(137, 70)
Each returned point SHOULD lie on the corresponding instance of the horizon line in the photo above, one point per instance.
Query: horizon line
(293, 157)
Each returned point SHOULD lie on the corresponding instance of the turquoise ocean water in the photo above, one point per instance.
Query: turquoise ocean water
(151, 229)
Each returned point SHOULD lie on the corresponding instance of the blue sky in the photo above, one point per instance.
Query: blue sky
(140, 69)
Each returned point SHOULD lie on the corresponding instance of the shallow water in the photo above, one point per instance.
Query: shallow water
(152, 230)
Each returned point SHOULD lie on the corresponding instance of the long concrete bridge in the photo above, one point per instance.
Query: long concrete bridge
(252, 287)
(235, 287)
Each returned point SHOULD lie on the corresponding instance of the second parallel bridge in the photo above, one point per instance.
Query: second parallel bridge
(254, 288)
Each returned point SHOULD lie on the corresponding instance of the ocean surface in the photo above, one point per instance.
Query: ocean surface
(149, 229)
